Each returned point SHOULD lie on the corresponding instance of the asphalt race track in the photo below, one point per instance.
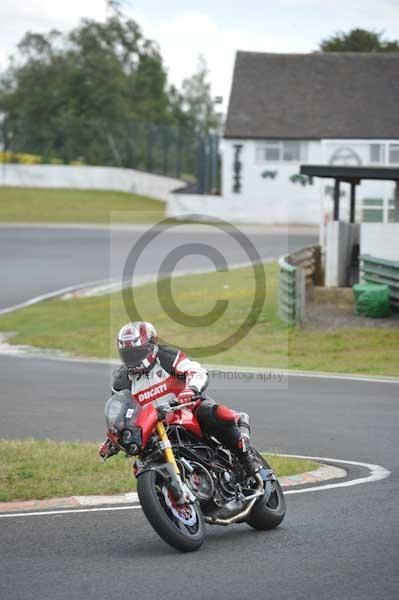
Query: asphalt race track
(37, 260)
(340, 543)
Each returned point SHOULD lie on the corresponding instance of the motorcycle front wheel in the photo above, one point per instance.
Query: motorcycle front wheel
(180, 526)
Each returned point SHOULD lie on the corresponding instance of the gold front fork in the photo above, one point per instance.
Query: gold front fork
(165, 444)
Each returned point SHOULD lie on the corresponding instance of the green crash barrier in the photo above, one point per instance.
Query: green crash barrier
(372, 300)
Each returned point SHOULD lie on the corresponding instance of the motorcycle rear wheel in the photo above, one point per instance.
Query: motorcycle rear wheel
(268, 514)
(182, 527)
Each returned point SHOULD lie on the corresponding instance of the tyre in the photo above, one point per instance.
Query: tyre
(268, 515)
(180, 526)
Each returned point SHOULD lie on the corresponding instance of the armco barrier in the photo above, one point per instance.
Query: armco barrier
(297, 274)
(379, 270)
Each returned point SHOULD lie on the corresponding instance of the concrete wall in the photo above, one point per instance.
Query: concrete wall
(84, 177)
(381, 240)
(182, 205)
(340, 238)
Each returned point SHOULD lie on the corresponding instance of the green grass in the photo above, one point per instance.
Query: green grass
(30, 205)
(38, 469)
(89, 326)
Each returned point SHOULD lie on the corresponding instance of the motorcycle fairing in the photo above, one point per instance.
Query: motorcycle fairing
(146, 418)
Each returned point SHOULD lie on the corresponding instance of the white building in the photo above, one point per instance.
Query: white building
(291, 109)
(269, 182)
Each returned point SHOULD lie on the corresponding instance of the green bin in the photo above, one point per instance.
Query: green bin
(372, 300)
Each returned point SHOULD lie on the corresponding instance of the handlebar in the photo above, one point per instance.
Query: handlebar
(179, 406)
(165, 408)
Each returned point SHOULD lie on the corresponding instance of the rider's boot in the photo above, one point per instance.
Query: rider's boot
(250, 463)
(243, 451)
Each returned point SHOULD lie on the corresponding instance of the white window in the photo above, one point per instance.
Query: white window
(280, 151)
(272, 152)
(394, 153)
(373, 210)
(376, 153)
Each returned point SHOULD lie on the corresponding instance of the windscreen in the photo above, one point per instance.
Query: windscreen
(119, 409)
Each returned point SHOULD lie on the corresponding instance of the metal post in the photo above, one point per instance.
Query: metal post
(318, 267)
(201, 165)
(336, 199)
(130, 145)
(206, 163)
(165, 140)
(217, 166)
(149, 148)
(353, 202)
(300, 294)
(213, 160)
(178, 152)
(396, 204)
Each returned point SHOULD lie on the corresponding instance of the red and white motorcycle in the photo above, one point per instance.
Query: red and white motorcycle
(185, 478)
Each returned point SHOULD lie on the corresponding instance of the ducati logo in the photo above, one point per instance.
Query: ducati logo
(155, 391)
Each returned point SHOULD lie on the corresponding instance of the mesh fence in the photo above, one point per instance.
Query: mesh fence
(155, 148)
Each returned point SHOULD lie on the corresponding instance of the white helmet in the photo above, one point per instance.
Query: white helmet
(137, 345)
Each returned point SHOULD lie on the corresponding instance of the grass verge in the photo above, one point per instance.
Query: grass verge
(37, 205)
(39, 469)
(89, 325)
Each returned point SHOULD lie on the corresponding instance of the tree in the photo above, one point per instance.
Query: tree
(197, 100)
(358, 40)
(69, 95)
(100, 93)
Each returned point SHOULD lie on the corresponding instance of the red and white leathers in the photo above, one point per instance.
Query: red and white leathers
(174, 376)
(171, 374)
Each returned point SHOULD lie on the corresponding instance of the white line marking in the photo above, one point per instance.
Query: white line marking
(309, 374)
(113, 285)
(377, 472)
(68, 511)
(50, 295)
(343, 376)
(32, 352)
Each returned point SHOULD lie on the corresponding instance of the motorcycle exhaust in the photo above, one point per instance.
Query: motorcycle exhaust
(244, 513)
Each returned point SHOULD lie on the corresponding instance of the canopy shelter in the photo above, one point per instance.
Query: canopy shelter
(353, 176)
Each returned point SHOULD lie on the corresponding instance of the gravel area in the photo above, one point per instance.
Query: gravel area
(330, 316)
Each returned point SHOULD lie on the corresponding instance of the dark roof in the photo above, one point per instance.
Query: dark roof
(351, 173)
(314, 96)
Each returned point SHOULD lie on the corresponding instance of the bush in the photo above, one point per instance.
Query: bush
(24, 159)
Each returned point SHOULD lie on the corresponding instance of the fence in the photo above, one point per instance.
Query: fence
(156, 148)
(298, 272)
(379, 270)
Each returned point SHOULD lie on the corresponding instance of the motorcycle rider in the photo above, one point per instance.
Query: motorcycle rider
(156, 371)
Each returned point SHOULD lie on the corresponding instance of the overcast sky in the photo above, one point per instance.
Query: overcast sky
(186, 28)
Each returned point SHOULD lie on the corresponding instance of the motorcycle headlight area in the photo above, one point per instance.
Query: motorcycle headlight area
(119, 408)
(132, 439)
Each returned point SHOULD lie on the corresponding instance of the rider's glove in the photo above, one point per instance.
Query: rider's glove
(107, 449)
(186, 395)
